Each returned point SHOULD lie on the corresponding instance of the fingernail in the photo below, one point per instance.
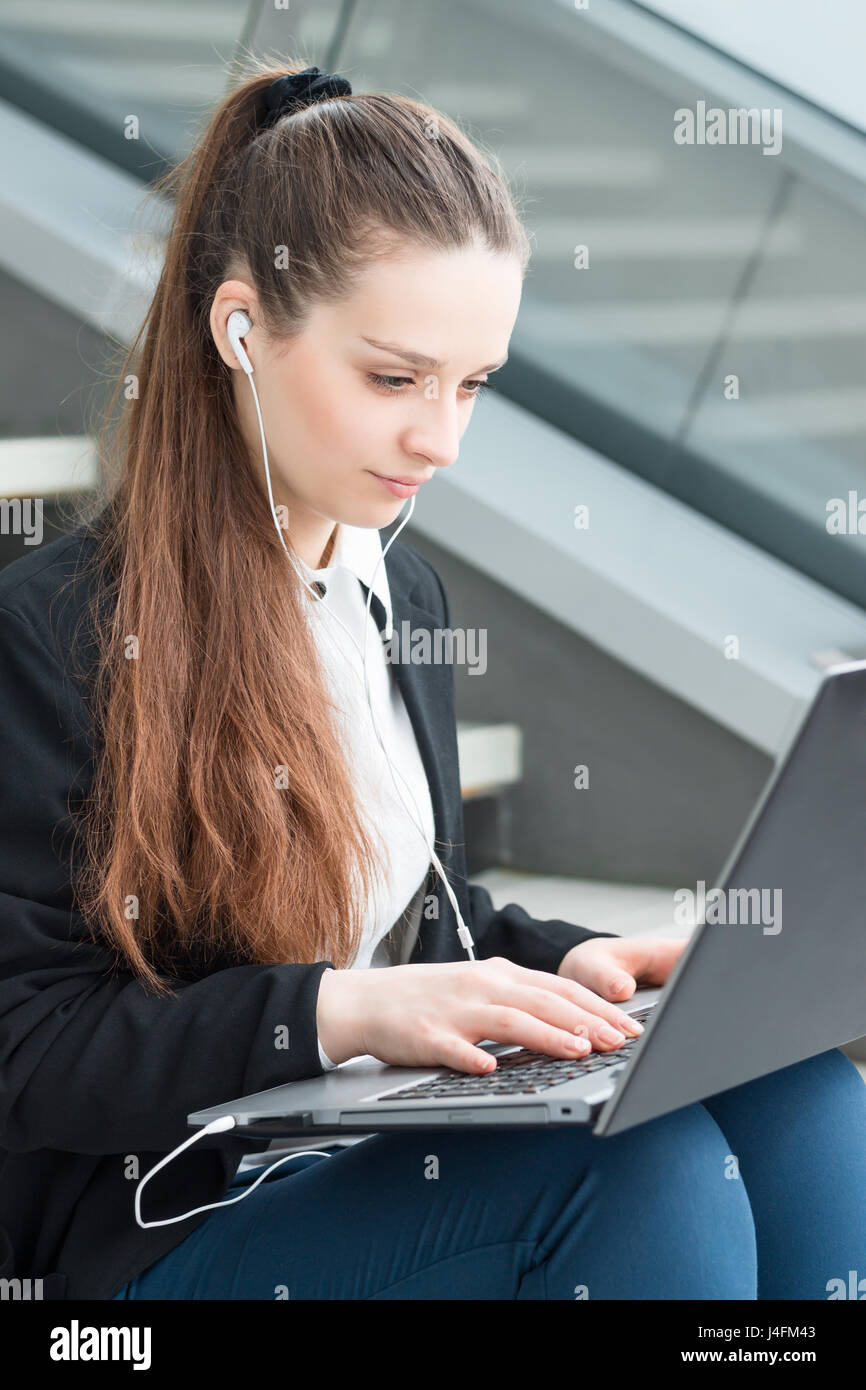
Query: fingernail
(611, 1035)
(632, 1025)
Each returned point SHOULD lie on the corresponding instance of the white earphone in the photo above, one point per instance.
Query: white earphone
(238, 326)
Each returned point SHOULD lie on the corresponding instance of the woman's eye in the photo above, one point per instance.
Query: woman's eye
(386, 384)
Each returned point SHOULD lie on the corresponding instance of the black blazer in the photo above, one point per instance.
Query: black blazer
(96, 1075)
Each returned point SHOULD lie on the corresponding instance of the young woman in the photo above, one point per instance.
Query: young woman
(192, 712)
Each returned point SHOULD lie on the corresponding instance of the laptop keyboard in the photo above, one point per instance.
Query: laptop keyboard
(521, 1073)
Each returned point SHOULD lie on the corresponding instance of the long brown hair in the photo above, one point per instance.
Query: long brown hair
(207, 678)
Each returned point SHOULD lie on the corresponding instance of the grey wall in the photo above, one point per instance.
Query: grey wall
(669, 790)
(54, 381)
(52, 366)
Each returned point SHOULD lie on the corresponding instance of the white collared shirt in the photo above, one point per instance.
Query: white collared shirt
(404, 855)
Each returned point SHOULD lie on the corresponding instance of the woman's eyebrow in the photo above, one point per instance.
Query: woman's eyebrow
(419, 359)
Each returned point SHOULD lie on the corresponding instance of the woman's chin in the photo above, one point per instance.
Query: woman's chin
(373, 512)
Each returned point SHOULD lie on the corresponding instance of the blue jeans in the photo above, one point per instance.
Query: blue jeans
(758, 1192)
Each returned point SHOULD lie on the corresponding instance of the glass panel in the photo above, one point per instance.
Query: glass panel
(92, 63)
(818, 55)
(700, 259)
(793, 423)
(666, 230)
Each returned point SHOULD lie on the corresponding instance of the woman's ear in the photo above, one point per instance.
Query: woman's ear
(232, 297)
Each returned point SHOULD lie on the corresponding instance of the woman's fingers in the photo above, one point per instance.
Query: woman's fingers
(453, 1051)
(578, 995)
(648, 961)
(434, 1015)
(561, 1012)
(506, 1024)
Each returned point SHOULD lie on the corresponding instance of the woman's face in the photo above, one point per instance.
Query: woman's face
(333, 430)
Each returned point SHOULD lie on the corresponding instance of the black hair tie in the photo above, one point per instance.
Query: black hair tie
(298, 89)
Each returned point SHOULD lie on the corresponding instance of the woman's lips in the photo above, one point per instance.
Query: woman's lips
(398, 489)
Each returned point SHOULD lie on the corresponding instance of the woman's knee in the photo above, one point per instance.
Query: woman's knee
(683, 1159)
(826, 1091)
(660, 1211)
(829, 1071)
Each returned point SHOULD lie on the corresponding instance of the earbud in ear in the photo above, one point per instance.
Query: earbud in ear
(239, 324)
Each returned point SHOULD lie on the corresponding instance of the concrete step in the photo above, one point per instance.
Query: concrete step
(490, 757)
(47, 467)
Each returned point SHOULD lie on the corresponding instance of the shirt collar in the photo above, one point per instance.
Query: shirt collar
(358, 549)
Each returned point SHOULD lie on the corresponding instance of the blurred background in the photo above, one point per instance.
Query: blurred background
(687, 366)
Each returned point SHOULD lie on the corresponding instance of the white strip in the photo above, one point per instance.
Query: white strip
(806, 317)
(46, 467)
(168, 24)
(640, 238)
(564, 166)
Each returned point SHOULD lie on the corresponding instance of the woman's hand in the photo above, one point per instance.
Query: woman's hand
(615, 966)
(433, 1015)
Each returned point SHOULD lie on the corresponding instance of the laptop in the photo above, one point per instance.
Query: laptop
(774, 972)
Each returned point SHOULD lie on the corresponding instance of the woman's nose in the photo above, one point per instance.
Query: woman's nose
(436, 435)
